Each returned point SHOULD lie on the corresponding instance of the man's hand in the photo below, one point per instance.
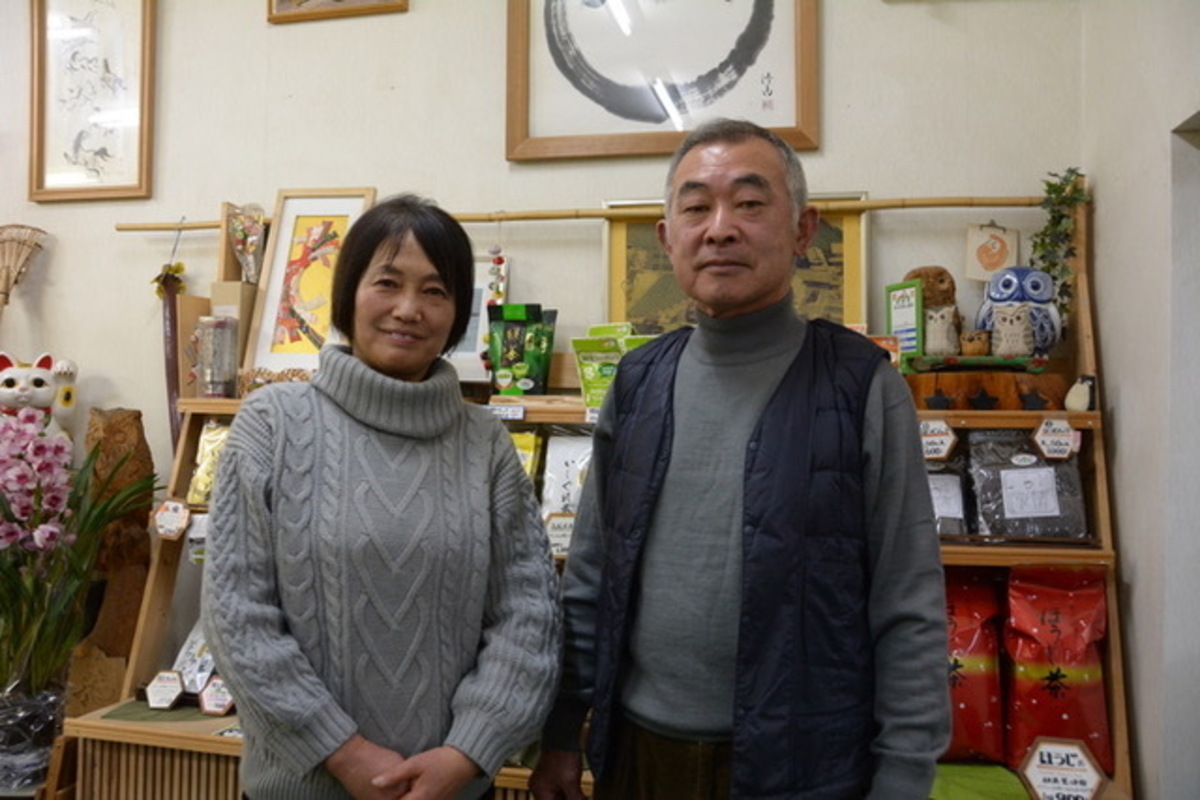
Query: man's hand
(557, 776)
(357, 761)
(437, 774)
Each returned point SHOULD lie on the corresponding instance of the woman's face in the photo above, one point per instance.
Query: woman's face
(403, 312)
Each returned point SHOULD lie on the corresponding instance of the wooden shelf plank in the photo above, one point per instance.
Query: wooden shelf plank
(212, 406)
(542, 408)
(1008, 555)
(1080, 420)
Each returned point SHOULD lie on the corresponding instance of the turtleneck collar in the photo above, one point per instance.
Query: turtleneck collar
(421, 410)
(748, 338)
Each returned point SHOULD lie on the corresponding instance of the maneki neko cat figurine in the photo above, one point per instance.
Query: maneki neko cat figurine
(46, 384)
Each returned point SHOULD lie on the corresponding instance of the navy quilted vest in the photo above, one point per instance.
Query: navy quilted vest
(803, 716)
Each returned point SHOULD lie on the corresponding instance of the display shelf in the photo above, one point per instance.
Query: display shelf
(1073, 357)
(138, 759)
(1076, 357)
(197, 733)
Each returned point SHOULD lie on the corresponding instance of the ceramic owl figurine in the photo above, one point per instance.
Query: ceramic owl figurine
(943, 323)
(1030, 324)
(1012, 333)
(942, 331)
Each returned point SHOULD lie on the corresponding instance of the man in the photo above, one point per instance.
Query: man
(754, 594)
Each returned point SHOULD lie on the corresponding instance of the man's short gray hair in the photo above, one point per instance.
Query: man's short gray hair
(733, 131)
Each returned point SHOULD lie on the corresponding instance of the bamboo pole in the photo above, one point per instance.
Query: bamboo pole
(639, 212)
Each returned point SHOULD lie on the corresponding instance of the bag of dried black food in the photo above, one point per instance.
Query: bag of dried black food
(1019, 494)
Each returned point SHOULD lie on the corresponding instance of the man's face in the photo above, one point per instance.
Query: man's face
(731, 232)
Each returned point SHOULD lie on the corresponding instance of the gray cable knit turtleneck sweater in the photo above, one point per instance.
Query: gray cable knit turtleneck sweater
(376, 564)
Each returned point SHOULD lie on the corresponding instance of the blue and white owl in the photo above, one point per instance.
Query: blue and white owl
(1020, 310)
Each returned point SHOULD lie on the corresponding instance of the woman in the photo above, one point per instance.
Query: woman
(379, 591)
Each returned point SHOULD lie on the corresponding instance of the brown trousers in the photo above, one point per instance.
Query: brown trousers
(647, 766)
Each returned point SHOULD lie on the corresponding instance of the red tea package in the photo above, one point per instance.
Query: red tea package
(1056, 617)
(973, 618)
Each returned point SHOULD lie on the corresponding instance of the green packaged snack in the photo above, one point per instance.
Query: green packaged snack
(617, 329)
(596, 360)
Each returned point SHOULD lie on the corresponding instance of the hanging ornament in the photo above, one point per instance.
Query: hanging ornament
(18, 243)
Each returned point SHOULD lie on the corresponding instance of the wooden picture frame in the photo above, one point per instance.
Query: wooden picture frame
(92, 99)
(292, 310)
(829, 283)
(589, 114)
(302, 10)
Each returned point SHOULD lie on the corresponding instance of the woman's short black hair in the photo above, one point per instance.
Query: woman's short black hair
(386, 224)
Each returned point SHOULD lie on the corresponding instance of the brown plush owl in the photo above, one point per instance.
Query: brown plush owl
(937, 285)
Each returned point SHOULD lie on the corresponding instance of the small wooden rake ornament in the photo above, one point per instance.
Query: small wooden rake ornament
(17, 244)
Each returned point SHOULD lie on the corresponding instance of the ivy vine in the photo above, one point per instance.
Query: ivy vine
(1052, 247)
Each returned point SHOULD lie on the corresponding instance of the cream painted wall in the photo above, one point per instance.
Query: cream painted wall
(920, 98)
(1140, 63)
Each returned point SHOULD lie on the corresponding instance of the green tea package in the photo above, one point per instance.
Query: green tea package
(520, 344)
(597, 356)
(596, 360)
(614, 329)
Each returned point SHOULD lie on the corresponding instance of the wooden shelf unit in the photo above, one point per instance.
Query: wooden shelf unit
(1078, 357)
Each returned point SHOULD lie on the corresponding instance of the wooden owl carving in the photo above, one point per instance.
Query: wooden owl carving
(975, 343)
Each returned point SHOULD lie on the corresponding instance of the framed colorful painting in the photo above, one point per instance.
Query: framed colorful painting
(91, 120)
(617, 79)
(291, 320)
(828, 282)
(301, 10)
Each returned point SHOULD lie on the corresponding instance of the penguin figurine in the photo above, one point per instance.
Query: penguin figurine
(1081, 396)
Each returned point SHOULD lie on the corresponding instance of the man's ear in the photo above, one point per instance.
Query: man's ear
(806, 229)
(660, 228)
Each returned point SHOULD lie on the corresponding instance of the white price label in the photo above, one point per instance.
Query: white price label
(1061, 769)
(1057, 439)
(937, 439)
(512, 413)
